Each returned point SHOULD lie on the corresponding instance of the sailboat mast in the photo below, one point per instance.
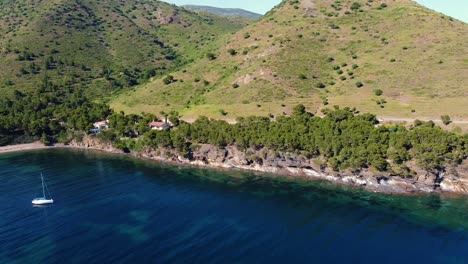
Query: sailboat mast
(43, 190)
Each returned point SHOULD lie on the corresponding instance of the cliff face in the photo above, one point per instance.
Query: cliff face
(92, 142)
(268, 161)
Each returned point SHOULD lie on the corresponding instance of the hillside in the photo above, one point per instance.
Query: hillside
(103, 45)
(323, 53)
(229, 12)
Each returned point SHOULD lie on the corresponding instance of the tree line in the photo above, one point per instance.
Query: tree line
(342, 138)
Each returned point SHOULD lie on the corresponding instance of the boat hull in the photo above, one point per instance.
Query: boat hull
(43, 201)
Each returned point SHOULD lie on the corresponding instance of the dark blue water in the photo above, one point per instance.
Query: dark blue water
(113, 209)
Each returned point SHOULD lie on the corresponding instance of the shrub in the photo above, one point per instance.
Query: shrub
(359, 84)
(378, 92)
(232, 52)
(381, 103)
(446, 119)
(211, 56)
(355, 57)
(330, 59)
(46, 140)
(320, 85)
(325, 101)
(339, 71)
(235, 85)
(302, 76)
(418, 122)
(355, 66)
(222, 112)
(355, 6)
(336, 67)
(168, 79)
(246, 35)
(299, 110)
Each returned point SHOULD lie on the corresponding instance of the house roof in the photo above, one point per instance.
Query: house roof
(157, 124)
(101, 123)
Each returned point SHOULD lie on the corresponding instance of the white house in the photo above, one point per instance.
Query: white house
(159, 126)
(99, 126)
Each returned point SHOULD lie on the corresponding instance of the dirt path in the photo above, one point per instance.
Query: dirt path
(229, 120)
(411, 120)
(382, 119)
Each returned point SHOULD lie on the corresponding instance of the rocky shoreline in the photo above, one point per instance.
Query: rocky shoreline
(208, 156)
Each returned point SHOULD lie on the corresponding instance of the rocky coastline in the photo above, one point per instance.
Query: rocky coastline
(208, 156)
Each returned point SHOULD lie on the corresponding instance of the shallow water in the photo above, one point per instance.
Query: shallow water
(115, 209)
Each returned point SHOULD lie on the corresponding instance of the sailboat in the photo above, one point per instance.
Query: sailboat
(43, 199)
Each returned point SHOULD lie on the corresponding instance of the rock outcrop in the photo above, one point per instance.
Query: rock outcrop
(269, 161)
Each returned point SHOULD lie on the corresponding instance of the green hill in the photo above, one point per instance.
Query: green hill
(235, 12)
(389, 57)
(102, 45)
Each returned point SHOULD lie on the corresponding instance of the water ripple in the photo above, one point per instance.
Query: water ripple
(113, 209)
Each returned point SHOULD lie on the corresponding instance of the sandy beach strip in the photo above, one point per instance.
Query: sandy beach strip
(22, 147)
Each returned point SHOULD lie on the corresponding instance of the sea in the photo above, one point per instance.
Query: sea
(118, 209)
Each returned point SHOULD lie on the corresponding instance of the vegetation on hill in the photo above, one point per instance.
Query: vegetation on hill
(102, 46)
(341, 140)
(51, 114)
(229, 12)
(320, 52)
(56, 56)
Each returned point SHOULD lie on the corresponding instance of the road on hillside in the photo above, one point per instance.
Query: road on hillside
(382, 119)
(411, 120)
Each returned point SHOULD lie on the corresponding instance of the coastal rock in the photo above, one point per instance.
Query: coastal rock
(90, 142)
(210, 153)
(454, 186)
(269, 161)
(426, 178)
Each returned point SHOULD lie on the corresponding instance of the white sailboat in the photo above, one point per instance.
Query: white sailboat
(43, 199)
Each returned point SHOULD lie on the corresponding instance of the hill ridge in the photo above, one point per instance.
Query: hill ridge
(105, 45)
(237, 12)
(324, 53)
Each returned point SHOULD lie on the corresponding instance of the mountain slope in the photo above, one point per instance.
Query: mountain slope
(235, 12)
(322, 53)
(105, 44)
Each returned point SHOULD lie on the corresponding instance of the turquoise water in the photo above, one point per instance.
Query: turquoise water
(114, 209)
